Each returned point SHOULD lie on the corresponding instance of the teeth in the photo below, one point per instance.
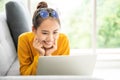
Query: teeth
(49, 43)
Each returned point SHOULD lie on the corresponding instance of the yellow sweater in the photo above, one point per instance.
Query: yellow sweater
(28, 55)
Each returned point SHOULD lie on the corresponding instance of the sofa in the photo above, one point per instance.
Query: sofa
(13, 21)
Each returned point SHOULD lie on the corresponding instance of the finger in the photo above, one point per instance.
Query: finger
(55, 45)
(36, 43)
(35, 38)
(55, 42)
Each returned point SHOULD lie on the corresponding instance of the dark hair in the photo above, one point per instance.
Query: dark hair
(37, 20)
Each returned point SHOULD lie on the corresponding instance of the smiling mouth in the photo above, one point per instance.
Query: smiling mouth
(48, 43)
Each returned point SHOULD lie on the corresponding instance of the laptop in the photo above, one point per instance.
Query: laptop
(66, 65)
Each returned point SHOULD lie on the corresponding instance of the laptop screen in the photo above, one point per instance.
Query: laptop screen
(66, 65)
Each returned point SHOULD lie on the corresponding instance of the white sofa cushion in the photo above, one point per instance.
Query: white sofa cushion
(14, 69)
(7, 48)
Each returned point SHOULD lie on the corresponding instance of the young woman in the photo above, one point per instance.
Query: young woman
(44, 40)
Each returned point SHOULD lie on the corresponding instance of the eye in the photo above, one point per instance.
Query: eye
(55, 32)
(44, 33)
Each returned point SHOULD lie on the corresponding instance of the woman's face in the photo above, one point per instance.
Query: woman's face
(48, 32)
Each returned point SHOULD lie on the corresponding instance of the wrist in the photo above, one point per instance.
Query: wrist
(41, 53)
(47, 54)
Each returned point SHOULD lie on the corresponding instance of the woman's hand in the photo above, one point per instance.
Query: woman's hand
(38, 45)
(49, 51)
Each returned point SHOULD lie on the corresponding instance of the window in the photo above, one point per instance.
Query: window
(108, 32)
(2, 5)
(108, 23)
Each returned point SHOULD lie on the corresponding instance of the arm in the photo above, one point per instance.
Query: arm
(27, 65)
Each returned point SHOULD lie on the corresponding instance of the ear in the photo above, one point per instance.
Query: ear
(34, 30)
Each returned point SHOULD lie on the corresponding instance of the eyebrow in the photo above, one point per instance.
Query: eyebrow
(48, 31)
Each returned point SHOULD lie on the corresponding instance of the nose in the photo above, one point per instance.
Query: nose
(50, 37)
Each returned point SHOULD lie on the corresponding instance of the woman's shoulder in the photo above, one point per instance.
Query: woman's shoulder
(26, 35)
(63, 40)
(63, 36)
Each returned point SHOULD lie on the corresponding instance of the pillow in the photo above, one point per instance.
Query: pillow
(18, 19)
(7, 48)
